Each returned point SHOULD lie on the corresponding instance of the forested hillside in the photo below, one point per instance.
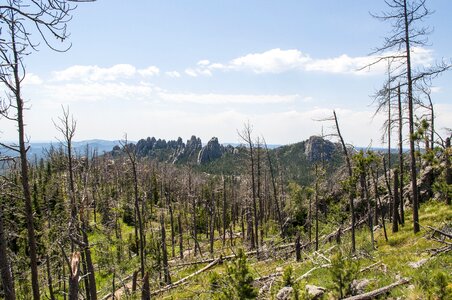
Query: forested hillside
(316, 219)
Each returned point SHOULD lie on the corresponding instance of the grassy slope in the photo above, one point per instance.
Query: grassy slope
(402, 248)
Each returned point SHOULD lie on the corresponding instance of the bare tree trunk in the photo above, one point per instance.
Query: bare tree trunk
(259, 191)
(64, 279)
(391, 196)
(413, 171)
(89, 263)
(134, 281)
(74, 276)
(399, 99)
(173, 234)
(84, 275)
(246, 136)
(275, 190)
(165, 253)
(5, 267)
(132, 158)
(181, 238)
(24, 174)
(212, 221)
(377, 197)
(395, 209)
(298, 247)
(224, 211)
(448, 170)
(365, 196)
(350, 174)
(146, 290)
(316, 207)
(49, 279)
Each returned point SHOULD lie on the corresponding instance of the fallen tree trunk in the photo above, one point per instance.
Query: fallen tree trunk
(305, 275)
(380, 291)
(440, 232)
(263, 278)
(370, 267)
(185, 279)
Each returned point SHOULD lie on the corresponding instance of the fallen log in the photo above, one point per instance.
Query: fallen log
(305, 275)
(380, 291)
(370, 267)
(440, 232)
(263, 278)
(185, 279)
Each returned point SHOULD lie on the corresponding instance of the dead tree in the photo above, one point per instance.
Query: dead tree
(245, 135)
(406, 18)
(66, 127)
(225, 226)
(166, 272)
(11, 75)
(275, 190)
(317, 179)
(146, 290)
(401, 167)
(130, 151)
(19, 20)
(395, 208)
(181, 237)
(350, 174)
(212, 209)
(5, 266)
(378, 199)
(74, 276)
(448, 169)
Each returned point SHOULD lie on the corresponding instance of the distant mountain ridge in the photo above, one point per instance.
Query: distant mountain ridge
(38, 150)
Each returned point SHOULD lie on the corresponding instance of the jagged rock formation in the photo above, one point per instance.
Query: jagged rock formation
(187, 152)
(317, 148)
(212, 151)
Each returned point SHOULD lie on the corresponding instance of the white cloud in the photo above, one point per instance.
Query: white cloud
(75, 92)
(95, 73)
(149, 71)
(98, 74)
(191, 72)
(278, 61)
(32, 79)
(212, 98)
(272, 61)
(173, 74)
(201, 70)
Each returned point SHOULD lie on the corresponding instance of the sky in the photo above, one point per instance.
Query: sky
(205, 68)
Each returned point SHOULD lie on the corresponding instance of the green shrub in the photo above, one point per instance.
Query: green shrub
(288, 276)
(239, 285)
(343, 271)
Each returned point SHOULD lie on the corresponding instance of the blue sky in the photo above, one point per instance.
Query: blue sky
(177, 68)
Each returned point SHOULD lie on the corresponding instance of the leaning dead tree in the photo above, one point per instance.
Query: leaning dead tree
(351, 192)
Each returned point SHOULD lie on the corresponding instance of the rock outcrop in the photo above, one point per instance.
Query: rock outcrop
(187, 152)
(317, 148)
(210, 152)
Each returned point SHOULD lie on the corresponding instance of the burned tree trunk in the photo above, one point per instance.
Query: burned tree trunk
(448, 170)
(181, 238)
(74, 276)
(165, 253)
(350, 174)
(5, 267)
(399, 100)
(395, 208)
(146, 290)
